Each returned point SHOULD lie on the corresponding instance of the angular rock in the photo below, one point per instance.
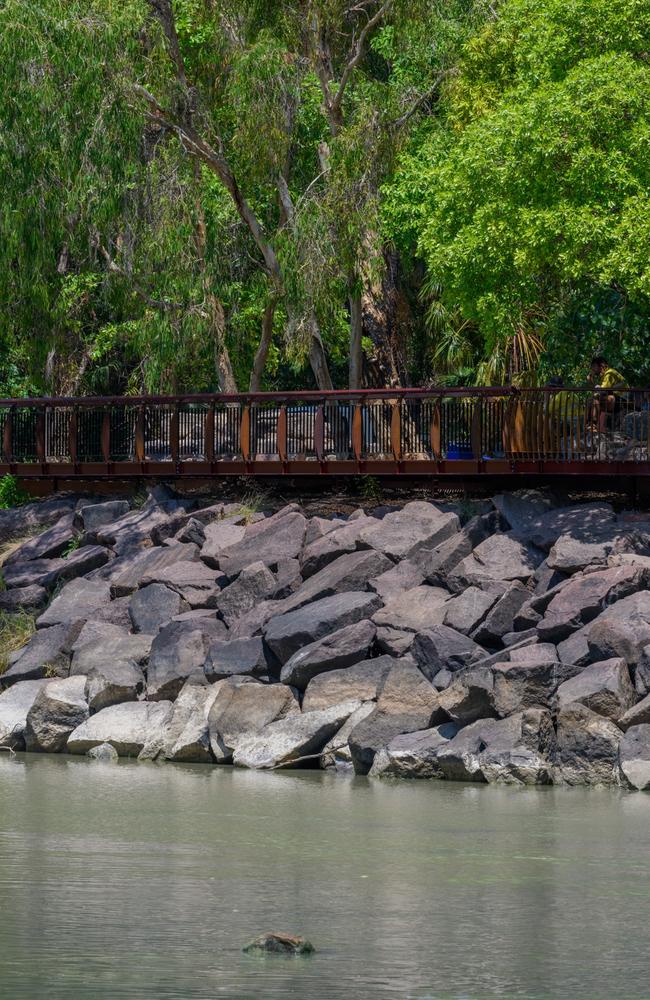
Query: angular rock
(241, 710)
(499, 620)
(191, 741)
(289, 740)
(254, 584)
(527, 684)
(48, 572)
(275, 541)
(499, 558)
(220, 535)
(108, 649)
(153, 606)
(339, 649)
(361, 682)
(178, 651)
(77, 602)
(333, 545)
(127, 573)
(438, 562)
(19, 520)
(634, 758)
(543, 527)
(135, 530)
(92, 517)
(253, 622)
(442, 648)
(233, 657)
(47, 653)
(466, 612)
(587, 747)
(414, 610)
(407, 702)
(469, 697)
(336, 753)
(603, 687)
(288, 633)
(48, 545)
(623, 629)
(512, 751)
(59, 707)
(288, 579)
(539, 652)
(637, 715)
(575, 649)
(194, 582)
(192, 531)
(115, 613)
(394, 641)
(405, 575)
(127, 727)
(401, 533)
(350, 572)
(583, 598)
(413, 755)
(112, 684)
(15, 704)
(318, 527)
(32, 598)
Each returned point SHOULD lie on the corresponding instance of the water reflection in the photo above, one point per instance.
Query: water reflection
(143, 881)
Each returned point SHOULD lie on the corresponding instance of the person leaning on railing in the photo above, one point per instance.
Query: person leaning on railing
(607, 398)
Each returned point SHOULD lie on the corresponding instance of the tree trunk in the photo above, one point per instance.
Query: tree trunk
(222, 363)
(262, 352)
(356, 333)
(384, 322)
(318, 359)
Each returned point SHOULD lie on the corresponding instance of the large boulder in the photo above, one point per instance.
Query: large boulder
(243, 708)
(528, 683)
(59, 707)
(336, 754)
(91, 517)
(288, 633)
(334, 651)
(543, 523)
(469, 697)
(516, 750)
(48, 545)
(401, 533)
(351, 572)
(32, 598)
(582, 549)
(254, 584)
(394, 641)
(499, 620)
(442, 648)
(362, 681)
(193, 581)
(178, 651)
(623, 629)
(407, 702)
(587, 747)
(634, 758)
(465, 612)
(404, 575)
(637, 715)
(18, 521)
(135, 530)
(48, 572)
(236, 657)
(15, 704)
(500, 558)
(220, 535)
(291, 740)
(582, 599)
(154, 606)
(333, 545)
(127, 727)
(603, 687)
(113, 683)
(414, 610)
(413, 755)
(270, 542)
(438, 562)
(126, 574)
(48, 653)
(77, 602)
(105, 645)
(186, 735)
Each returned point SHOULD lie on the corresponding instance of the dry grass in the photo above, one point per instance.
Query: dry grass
(15, 630)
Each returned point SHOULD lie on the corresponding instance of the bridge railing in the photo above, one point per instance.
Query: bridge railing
(479, 425)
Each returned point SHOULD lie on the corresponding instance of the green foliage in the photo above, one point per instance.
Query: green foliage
(15, 631)
(11, 493)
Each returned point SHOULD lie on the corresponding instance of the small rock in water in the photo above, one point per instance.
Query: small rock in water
(105, 752)
(279, 944)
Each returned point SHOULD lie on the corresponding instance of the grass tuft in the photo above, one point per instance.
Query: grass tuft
(15, 630)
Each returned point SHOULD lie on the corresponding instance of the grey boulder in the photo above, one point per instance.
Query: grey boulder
(154, 606)
(587, 747)
(334, 651)
(242, 708)
(603, 687)
(442, 648)
(179, 651)
(77, 602)
(291, 739)
(127, 727)
(59, 707)
(634, 758)
(232, 657)
(401, 533)
(15, 704)
(288, 633)
(413, 755)
(113, 683)
(414, 610)
(362, 681)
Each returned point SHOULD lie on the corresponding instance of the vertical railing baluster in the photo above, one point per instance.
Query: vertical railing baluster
(174, 433)
(281, 433)
(139, 434)
(396, 431)
(106, 436)
(319, 433)
(73, 435)
(40, 436)
(7, 436)
(357, 431)
(209, 434)
(245, 432)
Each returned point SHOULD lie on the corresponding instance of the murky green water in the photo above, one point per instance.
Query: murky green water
(144, 881)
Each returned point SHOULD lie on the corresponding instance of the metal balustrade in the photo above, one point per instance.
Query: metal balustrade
(437, 431)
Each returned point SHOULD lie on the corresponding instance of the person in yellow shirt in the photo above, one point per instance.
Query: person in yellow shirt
(606, 380)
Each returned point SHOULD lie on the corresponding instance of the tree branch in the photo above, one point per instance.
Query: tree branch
(356, 56)
(422, 99)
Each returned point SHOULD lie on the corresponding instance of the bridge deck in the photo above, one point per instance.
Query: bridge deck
(442, 432)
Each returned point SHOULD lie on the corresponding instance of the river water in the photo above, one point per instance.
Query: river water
(144, 881)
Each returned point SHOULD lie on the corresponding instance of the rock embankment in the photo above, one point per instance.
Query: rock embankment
(512, 647)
